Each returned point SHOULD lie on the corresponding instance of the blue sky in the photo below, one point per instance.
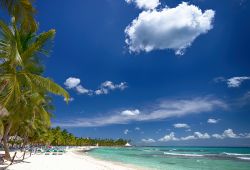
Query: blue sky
(157, 80)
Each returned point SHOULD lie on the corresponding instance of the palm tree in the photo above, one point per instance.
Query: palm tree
(23, 11)
(20, 71)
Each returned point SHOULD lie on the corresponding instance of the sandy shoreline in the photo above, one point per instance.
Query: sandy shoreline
(72, 160)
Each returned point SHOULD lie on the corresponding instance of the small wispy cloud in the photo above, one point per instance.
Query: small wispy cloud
(126, 131)
(149, 140)
(181, 125)
(232, 82)
(104, 88)
(137, 128)
(244, 100)
(108, 86)
(213, 121)
(130, 112)
(163, 110)
(236, 81)
(82, 90)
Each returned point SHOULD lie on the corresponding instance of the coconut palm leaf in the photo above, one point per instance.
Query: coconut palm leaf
(23, 11)
(48, 85)
(38, 45)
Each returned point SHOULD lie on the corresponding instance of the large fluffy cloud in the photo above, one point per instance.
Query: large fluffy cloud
(168, 28)
(145, 4)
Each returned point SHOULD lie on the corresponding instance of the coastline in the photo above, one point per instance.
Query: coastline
(73, 159)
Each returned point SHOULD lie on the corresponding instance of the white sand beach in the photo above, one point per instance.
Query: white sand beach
(70, 160)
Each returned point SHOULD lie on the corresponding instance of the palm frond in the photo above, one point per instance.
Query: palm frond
(5, 31)
(38, 45)
(23, 11)
(48, 85)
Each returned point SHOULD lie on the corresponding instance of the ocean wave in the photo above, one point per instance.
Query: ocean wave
(182, 154)
(235, 154)
(244, 158)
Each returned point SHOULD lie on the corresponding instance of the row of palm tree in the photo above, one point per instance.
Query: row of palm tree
(61, 137)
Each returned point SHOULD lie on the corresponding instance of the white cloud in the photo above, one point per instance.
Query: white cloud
(181, 125)
(145, 4)
(217, 136)
(126, 131)
(149, 140)
(168, 28)
(101, 91)
(219, 79)
(105, 87)
(191, 137)
(201, 136)
(245, 135)
(236, 81)
(122, 86)
(165, 109)
(196, 135)
(130, 112)
(213, 121)
(137, 128)
(229, 134)
(109, 85)
(72, 82)
(169, 137)
(80, 89)
(226, 134)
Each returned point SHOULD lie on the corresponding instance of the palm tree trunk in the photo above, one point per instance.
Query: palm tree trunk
(5, 142)
(25, 141)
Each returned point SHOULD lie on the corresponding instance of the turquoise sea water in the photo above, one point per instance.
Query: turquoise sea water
(179, 158)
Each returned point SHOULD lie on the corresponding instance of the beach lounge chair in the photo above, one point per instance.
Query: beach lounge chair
(54, 152)
(39, 151)
(60, 152)
(47, 152)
